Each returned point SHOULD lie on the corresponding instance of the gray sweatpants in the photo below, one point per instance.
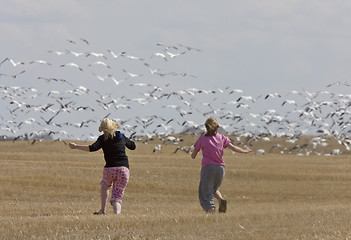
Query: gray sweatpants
(210, 180)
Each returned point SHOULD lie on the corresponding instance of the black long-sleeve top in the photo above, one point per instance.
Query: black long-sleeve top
(114, 149)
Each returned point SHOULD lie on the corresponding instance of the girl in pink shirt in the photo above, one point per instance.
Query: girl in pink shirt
(212, 171)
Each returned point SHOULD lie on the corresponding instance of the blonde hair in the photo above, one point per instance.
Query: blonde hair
(212, 126)
(108, 127)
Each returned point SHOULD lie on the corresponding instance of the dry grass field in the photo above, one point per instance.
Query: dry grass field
(49, 191)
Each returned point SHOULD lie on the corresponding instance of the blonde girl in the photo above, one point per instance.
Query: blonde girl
(116, 170)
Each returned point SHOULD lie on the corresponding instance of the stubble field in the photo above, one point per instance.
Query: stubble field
(49, 191)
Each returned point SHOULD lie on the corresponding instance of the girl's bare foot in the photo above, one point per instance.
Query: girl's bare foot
(211, 210)
(116, 207)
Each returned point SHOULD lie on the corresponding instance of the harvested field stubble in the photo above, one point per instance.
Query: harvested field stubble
(49, 192)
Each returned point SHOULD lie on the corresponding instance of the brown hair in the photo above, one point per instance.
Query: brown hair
(212, 126)
(108, 127)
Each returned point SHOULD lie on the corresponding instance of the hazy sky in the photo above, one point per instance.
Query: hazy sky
(258, 46)
(254, 45)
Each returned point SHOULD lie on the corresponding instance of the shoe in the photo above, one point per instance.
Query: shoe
(222, 206)
(99, 213)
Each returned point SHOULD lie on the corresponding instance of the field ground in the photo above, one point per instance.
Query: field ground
(49, 191)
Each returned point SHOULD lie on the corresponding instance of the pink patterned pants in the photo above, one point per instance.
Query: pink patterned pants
(117, 177)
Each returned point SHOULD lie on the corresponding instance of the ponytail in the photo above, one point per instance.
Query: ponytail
(108, 127)
(212, 126)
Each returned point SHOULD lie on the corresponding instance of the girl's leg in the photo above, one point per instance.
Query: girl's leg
(206, 188)
(218, 195)
(117, 207)
(104, 196)
(222, 203)
(119, 185)
(105, 186)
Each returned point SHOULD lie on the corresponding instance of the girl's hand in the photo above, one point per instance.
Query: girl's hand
(72, 145)
(248, 150)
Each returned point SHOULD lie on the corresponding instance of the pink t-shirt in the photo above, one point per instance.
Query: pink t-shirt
(212, 148)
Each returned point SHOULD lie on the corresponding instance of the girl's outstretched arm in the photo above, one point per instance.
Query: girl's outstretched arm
(238, 149)
(79, 147)
(194, 153)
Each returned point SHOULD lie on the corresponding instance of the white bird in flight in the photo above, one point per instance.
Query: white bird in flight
(12, 75)
(40, 62)
(114, 55)
(96, 55)
(15, 64)
(133, 75)
(157, 54)
(57, 52)
(117, 82)
(99, 63)
(77, 54)
(72, 65)
(173, 55)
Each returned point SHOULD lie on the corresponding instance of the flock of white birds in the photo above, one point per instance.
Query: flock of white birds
(65, 95)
